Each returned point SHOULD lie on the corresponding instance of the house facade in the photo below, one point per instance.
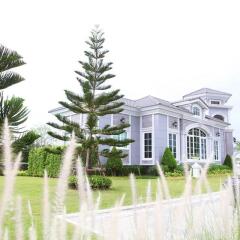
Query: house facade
(194, 128)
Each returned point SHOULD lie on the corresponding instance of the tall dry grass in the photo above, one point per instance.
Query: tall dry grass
(165, 218)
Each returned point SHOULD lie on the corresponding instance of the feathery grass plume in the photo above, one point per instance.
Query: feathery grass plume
(62, 233)
(46, 208)
(85, 216)
(81, 178)
(32, 230)
(10, 172)
(113, 224)
(164, 182)
(149, 192)
(19, 220)
(159, 193)
(6, 234)
(62, 183)
(133, 189)
(159, 232)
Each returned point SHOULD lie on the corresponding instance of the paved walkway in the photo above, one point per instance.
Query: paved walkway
(205, 205)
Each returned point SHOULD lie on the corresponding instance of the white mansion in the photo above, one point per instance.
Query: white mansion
(195, 128)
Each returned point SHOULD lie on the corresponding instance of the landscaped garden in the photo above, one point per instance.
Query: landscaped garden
(55, 180)
(31, 189)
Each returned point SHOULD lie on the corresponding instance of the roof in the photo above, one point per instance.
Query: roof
(207, 91)
(190, 100)
(150, 101)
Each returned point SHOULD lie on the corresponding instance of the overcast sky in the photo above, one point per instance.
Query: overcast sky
(160, 48)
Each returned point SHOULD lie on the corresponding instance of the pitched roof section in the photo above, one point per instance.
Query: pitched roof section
(207, 91)
(190, 101)
(150, 101)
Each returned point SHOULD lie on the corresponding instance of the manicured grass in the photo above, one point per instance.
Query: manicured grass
(30, 189)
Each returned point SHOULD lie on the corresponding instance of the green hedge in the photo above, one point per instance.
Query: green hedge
(36, 162)
(149, 171)
(41, 159)
(96, 182)
(219, 169)
(53, 164)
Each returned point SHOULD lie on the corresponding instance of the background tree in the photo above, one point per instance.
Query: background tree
(97, 100)
(44, 139)
(13, 108)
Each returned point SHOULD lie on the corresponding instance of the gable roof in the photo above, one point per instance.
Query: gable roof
(207, 91)
(191, 100)
(150, 101)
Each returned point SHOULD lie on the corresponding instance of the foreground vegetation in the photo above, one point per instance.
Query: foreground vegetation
(31, 189)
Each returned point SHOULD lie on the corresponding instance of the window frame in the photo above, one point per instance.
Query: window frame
(213, 100)
(144, 146)
(199, 110)
(216, 150)
(171, 142)
(196, 143)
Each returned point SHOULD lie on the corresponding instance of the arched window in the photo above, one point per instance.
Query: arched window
(196, 111)
(196, 144)
(219, 117)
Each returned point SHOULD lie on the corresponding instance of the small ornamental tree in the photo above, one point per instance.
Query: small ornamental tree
(168, 162)
(96, 99)
(228, 161)
(114, 163)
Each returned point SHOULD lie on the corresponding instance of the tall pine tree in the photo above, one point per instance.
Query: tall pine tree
(97, 100)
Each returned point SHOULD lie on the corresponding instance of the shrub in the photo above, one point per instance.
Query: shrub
(126, 170)
(53, 164)
(36, 162)
(219, 169)
(152, 171)
(114, 163)
(23, 173)
(169, 160)
(96, 182)
(41, 159)
(100, 182)
(228, 161)
(72, 182)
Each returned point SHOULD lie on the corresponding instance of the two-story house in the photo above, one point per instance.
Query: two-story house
(194, 128)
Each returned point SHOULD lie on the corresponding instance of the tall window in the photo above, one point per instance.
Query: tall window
(172, 143)
(147, 145)
(196, 144)
(196, 111)
(216, 150)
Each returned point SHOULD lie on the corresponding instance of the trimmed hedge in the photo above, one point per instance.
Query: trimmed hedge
(36, 162)
(96, 182)
(149, 171)
(41, 159)
(23, 173)
(53, 164)
(219, 169)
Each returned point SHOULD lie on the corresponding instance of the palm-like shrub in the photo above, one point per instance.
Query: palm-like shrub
(13, 108)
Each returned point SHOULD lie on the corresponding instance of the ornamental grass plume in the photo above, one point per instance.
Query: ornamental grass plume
(195, 215)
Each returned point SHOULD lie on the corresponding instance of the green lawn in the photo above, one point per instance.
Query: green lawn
(31, 189)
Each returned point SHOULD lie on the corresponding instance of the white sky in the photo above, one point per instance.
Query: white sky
(163, 48)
